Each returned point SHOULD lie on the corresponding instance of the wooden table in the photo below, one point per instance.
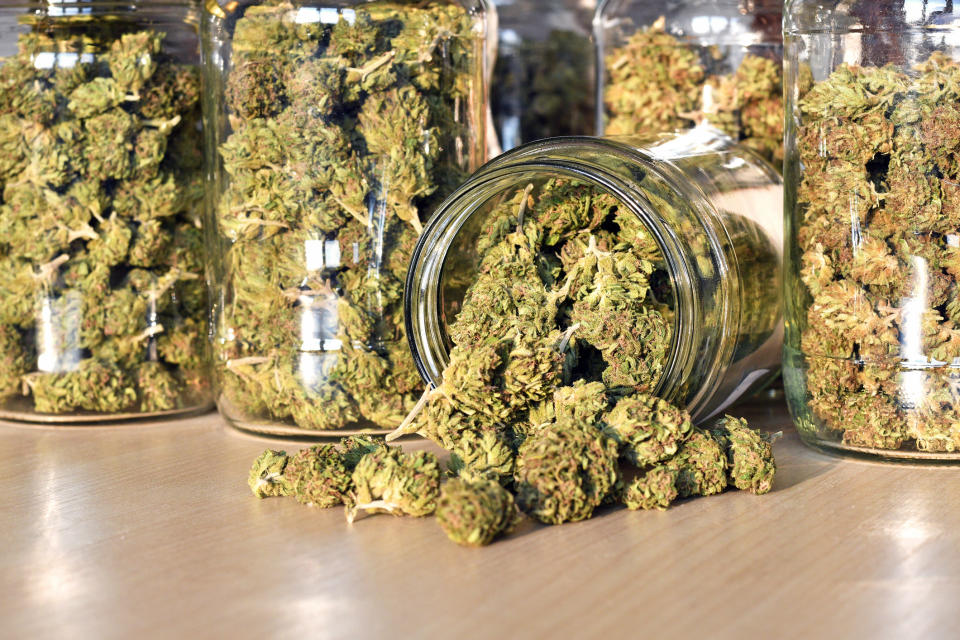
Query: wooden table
(149, 530)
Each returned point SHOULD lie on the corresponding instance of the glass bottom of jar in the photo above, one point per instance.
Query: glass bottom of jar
(22, 411)
(277, 429)
(893, 418)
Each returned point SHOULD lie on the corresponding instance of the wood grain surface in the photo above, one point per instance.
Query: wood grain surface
(148, 530)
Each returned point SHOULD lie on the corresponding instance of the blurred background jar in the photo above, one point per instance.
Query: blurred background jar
(102, 294)
(873, 208)
(543, 81)
(674, 64)
(333, 133)
(704, 328)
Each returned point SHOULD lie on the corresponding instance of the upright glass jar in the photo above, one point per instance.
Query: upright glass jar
(102, 290)
(873, 211)
(670, 65)
(700, 327)
(543, 81)
(334, 131)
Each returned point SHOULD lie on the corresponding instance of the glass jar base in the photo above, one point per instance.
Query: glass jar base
(276, 429)
(881, 455)
(868, 403)
(13, 413)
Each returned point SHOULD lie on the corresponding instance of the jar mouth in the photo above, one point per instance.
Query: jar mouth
(423, 302)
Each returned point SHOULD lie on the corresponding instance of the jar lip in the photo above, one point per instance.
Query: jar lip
(419, 305)
(223, 8)
(34, 13)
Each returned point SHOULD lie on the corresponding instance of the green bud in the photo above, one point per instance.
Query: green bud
(484, 451)
(353, 448)
(267, 477)
(581, 402)
(474, 513)
(654, 489)
(95, 97)
(318, 476)
(701, 466)
(751, 466)
(564, 471)
(157, 387)
(649, 430)
(390, 481)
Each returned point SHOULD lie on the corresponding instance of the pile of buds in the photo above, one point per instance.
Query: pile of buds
(547, 404)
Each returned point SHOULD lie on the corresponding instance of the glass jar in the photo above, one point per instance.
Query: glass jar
(670, 65)
(543, 81)
(690, 211)
(102, 290)
(334, 133)
(871, 358)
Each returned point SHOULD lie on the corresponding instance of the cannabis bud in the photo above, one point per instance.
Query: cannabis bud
(654, 489)
(267, 477)
(353, 448)
(318, 476)
(750, 464)
(701, 466)
(648, 429)
(564, 471)
(391, 481)
(475, 512)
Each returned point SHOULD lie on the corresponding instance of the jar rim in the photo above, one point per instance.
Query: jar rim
(422, 306)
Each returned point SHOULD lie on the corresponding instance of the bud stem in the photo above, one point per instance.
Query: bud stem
(363, 510)
(523, 207)
(428, 393)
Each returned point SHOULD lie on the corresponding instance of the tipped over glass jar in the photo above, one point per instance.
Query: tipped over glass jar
(648, 265)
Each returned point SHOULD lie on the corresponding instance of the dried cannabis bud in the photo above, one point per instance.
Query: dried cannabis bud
(750, 464)
(342, 137)
(353, 448)
(876, 215)
(701, 466)
(100, 203)
(658, 83)
(649, 430)
(564, 471)
(390, 481)
(655, 489)
(267, 475)
(475, 512)
(318, 476)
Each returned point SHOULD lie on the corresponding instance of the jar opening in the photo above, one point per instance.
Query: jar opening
(458, 247)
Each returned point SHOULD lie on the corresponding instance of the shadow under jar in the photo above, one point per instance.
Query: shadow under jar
(643, 265)
(873, 207)
(334, 131)
(102, 295)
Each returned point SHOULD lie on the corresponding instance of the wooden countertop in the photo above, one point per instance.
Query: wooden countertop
(149, 530)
